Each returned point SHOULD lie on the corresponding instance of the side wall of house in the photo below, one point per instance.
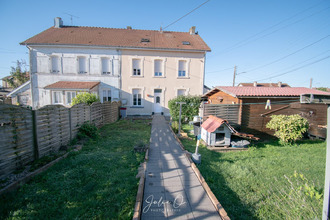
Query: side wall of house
(42, 73)
(170, 84)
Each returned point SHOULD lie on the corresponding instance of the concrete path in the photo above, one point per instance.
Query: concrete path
(172, 190)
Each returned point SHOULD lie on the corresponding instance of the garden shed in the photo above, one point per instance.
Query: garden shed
(216, 131)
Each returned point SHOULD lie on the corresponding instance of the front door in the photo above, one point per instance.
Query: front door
(157, 101)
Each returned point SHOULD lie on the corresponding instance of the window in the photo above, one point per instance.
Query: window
(82, 65)
(181, 92)
(106, 95)
(106, 66)
(137, 100)
(136, 67)
(69, 97)
(158, 68)
(55, 64)
(182, 68)
(57, 97)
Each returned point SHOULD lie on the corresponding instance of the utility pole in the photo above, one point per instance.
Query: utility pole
(326, 195)
(311, 83)
(181, 103)
(234, 76)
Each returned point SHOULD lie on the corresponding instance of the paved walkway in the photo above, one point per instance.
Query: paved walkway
(172, 190)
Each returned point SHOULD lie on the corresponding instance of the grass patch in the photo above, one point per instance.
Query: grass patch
(96, 183)
(269, 181)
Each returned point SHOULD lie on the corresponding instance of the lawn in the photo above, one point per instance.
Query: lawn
(96, 183)
(268, 181)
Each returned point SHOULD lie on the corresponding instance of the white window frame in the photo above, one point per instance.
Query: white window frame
(78, 65)
(187, 62)
(181, 89)
(71, 97)
(109, 72)
(163, 61)
(141, 96)
(105, 98)
(54, 98)
(141, 59)
(52, 69)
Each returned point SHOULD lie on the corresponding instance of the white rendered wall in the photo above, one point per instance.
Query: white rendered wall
(41, 70)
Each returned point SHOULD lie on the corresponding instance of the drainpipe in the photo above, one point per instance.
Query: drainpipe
(120, 74)
(31, 81)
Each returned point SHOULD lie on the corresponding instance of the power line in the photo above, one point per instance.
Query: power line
(282, 58)
(302, 62)
(247, 41)
(217, 71)
(187, 14)
(298, 68)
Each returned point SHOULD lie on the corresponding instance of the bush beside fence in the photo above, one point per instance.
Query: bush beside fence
(27, 134)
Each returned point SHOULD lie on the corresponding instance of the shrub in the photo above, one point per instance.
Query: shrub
(189, 109)
(288, 128)
(85, 97)
(88, 130)
(175, 126)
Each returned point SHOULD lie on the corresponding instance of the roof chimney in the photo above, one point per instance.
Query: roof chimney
(279, 84)
(58, 22)
(255, 84)
(129, 27)
(192, 30)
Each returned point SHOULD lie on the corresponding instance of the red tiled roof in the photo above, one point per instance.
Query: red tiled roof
(72, 85)
(264, 84)
(126, 38)
(268, 91)
(212, 123)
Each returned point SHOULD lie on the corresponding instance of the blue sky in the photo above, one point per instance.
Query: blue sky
(268, 40)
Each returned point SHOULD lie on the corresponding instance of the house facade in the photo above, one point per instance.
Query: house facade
(142, 68)
(163, 75)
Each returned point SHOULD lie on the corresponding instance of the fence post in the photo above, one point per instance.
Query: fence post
(70, 124)
(35, 135)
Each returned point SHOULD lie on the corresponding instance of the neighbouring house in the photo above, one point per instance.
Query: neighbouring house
(142, 68)
(251, 107)
(71, 56)
(256, 84)
(21, 95)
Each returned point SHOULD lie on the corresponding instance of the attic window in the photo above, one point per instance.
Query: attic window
(185, 42)
(144, 40)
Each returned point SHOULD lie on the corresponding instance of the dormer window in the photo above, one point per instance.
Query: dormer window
(145, 40)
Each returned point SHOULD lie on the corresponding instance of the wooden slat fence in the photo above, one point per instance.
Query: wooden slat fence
(27, 134)
(227, 112)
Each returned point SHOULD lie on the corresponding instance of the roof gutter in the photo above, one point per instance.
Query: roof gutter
(115, 47)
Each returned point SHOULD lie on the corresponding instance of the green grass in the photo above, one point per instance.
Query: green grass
(96, 183)
(259, 183)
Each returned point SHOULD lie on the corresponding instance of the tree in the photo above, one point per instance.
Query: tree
(86, 98)
(17, 75)
(288, 128)
(189, 109)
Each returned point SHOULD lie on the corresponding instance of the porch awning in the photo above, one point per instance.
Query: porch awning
(76, 85)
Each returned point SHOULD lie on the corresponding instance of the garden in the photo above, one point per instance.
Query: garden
(96, 182)
(269, 181)
(274, 179)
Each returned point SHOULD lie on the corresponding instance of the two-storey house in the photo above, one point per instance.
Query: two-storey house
(142, 68)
